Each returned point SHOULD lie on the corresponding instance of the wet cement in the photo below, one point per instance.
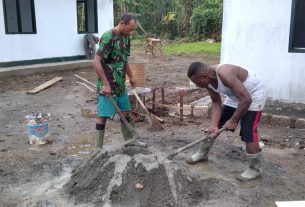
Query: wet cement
(134, 177)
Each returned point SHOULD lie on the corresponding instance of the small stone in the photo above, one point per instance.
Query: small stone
(261, 144)
(52, 153)
(189, 179)
(139, 186)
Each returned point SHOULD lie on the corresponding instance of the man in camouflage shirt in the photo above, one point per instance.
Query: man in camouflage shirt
(111, 66)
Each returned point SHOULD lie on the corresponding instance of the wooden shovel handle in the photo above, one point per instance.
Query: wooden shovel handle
(195, 142)
(142, 105)
(130, 128)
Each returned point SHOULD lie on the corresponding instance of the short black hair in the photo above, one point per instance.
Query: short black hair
(127, 17)
(195, 67)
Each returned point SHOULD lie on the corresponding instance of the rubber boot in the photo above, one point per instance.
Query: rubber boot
(254, 170)
(128, 135)
(99, 138)
(203, 152)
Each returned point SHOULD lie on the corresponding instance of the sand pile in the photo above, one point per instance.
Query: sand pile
(134, 177)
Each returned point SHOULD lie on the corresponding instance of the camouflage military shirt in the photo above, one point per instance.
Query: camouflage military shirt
(114, 49)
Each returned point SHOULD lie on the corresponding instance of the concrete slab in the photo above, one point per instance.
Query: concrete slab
(44, 68)
(290, 203)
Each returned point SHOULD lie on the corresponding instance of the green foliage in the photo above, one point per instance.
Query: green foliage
(174, 19)
(206, 20)
(170, 26)
(193, 47)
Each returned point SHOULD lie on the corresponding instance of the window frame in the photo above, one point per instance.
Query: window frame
(33, 15)
(86, 17)
(291, 47)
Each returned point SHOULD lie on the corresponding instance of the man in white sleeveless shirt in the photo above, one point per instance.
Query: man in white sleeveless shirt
(245, 101)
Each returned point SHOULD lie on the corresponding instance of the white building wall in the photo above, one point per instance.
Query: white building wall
(57, 36)
(256, 35)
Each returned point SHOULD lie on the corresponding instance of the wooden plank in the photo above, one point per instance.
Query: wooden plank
(45, 85)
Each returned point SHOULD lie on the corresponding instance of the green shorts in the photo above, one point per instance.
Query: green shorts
(105, 107)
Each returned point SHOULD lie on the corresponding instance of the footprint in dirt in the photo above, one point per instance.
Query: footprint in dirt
(237, 153)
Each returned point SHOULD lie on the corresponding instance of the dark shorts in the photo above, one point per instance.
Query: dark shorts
(248, 123)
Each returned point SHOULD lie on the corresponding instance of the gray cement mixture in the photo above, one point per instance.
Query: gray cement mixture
(133, 177)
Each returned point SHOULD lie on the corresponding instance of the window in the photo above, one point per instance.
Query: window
(86, 16)
(297, 27)
(19, 16)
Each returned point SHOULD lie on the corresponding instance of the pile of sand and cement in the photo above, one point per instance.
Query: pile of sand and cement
(135, 177)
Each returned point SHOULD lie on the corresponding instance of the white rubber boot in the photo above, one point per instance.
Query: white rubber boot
(203, 152)
(254, 170)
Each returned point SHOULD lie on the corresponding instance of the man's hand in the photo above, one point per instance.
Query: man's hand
(106, 90)
(211, 129)
(230, 125)
(132, 82)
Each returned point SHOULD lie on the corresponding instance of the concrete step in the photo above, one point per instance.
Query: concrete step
(44, 68)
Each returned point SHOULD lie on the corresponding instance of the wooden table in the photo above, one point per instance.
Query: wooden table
(153, 45)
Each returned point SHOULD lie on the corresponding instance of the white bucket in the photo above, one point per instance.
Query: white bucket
(38, 133)
(38, 128)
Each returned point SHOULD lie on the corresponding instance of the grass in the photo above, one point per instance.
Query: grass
(193, 47)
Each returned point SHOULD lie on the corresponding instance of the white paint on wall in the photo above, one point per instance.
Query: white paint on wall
(255, 35)
(57, 36)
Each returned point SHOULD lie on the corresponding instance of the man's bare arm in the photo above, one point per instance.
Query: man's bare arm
(101, 74)
(129, 73)
(216, 108)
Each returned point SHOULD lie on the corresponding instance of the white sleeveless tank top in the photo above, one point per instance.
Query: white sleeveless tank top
(254, 86)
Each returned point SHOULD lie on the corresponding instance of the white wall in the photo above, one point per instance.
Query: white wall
(256, 35)
(56, 24)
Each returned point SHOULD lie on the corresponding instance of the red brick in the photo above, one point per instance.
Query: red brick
(280, 121)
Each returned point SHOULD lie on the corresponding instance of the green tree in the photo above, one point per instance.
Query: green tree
(206, 20)
(174, 18)
(170, 26)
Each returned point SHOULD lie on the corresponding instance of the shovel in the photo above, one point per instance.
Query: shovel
(125, 122)
(153, 121)
(208, 136)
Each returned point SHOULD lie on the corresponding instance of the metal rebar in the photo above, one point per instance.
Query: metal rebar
(154, 99)
(163, 96)
(181, 105)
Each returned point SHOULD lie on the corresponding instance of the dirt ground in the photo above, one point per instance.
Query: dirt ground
(33, 175)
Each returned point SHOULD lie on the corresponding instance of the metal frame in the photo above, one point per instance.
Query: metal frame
(291, 47)
(86, 17)
(19, 18)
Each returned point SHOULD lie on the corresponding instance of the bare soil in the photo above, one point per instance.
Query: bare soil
(33, 175)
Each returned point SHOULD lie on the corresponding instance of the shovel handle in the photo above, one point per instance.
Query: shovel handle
(208, 136)
(130, 128)
(142, 105)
